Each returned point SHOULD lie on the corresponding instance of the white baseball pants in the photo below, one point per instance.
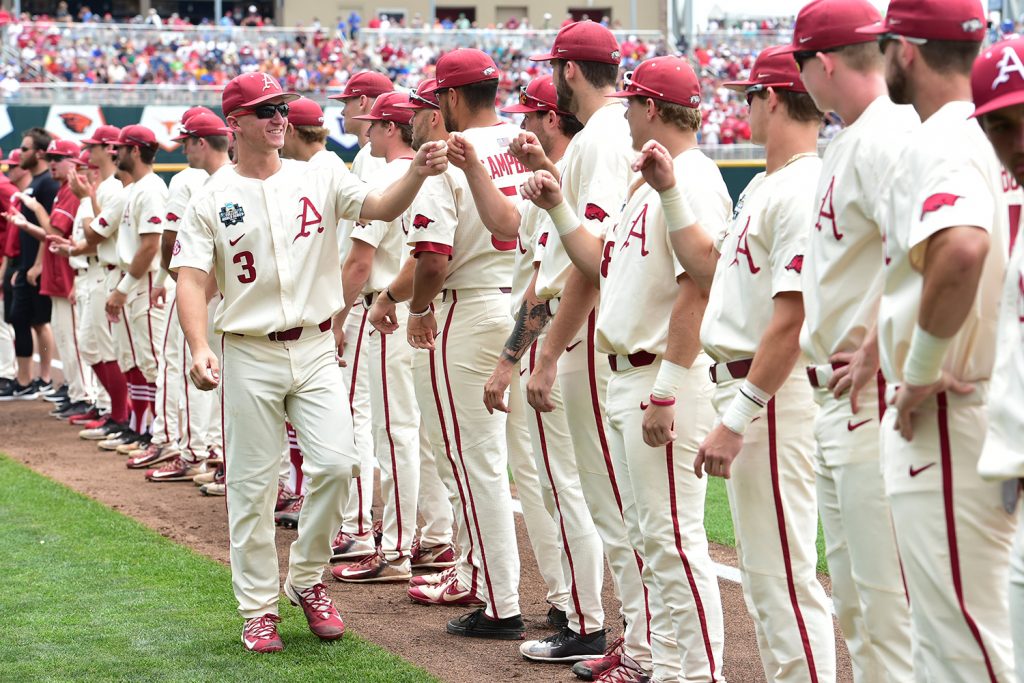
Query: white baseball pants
(358, 518)
(79, 377)
(435, 501)
(89, 286)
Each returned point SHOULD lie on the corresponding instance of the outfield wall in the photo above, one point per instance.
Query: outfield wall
(77, 122)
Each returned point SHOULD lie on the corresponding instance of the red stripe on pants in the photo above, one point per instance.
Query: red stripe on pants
(780, 515)
(352, 409)
(954, 551)
(391, 441)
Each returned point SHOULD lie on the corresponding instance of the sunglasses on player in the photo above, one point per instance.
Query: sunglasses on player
(886, 38)
(266, 111)
(804, 55)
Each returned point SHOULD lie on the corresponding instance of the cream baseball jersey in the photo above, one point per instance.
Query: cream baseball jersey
(639, 267)
(842, 269)
(948, 176)
(83, 213)
(761, 256)
(144, 214)
(272, 243)
(1003, 455)
(445, 219)
(1014, 197)
(534, 224)
(183, 185)
(111, 195)
(365, 167)
(596, 175)
(389, 239)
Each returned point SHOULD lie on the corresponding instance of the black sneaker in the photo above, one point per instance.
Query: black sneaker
(5, 382)
(76, 408)
(57, 407)
(57, 395)
(17, 392)
(42, 387)
(478, 625)
(103, 432)
(565, 646)
(557, 619)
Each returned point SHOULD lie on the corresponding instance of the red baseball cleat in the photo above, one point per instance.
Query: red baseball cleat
(260, 634)
(321, 614)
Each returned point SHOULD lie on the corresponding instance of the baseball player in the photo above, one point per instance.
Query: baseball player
(997, 82)
(189, 414)
(57, 279)
(576, 613)
(138, 325)
(842, 272)
(596, 175)
(107, 198)
(630, 261)
(9, 184)
(268, 229)
(751, 330)
(457, 257)
(355, 540)
(945, 255)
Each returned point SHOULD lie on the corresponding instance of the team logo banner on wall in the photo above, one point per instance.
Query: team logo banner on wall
(333, 123)
(74, 121)
(164, 120)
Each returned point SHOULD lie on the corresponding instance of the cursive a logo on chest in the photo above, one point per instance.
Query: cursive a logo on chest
(308, 217)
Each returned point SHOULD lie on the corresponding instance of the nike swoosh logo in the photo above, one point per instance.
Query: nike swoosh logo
(249, 643)
(441, 80)
(919, 470)
(570, 348)
(522, 372)
(236, 240)
(643, 406)
(804, 40)
(850, 426)
(454, 598)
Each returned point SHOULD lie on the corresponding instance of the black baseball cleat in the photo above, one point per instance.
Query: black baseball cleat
(557, 619)
(479, 625)
(565, 646)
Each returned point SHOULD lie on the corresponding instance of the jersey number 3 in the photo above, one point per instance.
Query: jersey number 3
(244, 259)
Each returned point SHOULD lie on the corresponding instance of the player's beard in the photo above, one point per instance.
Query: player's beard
(899, 87)
(125, 164)
(566, 101)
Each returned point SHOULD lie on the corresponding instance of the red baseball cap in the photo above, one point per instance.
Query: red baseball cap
(670, 79)
(136, 136)
(423, 98)
(202, 125)
(82, 160)
(250, 90)
(62, 148)
(385, 109)
(14, 159)
(583, 41)
(997, 78)
(104, 135)
(368, 83)
(539, 95)
(773, 68)
(192, 111)
(955, 20)
(827, 24)
(464, 66)
(305, 112)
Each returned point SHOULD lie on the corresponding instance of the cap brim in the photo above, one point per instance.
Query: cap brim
(546, 57)
(288, 97)
(624, 94)
(1010, 99)
(521, 109)
(738, 85)
(876, 29)
(368, 117)
(414, 105)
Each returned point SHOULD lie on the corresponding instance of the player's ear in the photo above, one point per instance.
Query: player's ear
(651, 109)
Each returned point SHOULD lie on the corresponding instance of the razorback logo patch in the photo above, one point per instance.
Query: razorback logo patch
(543, 241)
(76, 123)
(421, 222)
(103, 221)
(593, 212)
(937, 201)
(796, 264)
(173, 218)
(231, 214)
(155, 220)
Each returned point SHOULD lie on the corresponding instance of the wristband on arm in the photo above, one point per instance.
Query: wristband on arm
(161, 278)
(564, 218)
(923, 365)
(677, 210)
(745, 406)
(127, 284)
(666, 384)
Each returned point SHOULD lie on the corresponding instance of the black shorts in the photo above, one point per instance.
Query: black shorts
(8, 292)
(28, 306)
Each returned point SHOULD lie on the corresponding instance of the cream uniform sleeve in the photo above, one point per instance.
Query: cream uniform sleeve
(349, 194)
(111, 211)
(194, 247)
(601, 185)
(951, 194)
(790, 217)
(151, 208)
(435, 217)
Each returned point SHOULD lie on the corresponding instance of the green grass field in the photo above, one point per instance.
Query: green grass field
(718, 521)
(90, 594)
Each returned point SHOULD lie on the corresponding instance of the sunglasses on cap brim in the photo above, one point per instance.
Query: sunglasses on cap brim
(885, 38)
(266, 111)
(422, 100)
(55, 157)
(803, 56)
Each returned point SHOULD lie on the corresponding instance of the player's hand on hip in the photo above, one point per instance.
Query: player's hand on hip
(527, 150)
(658, 425)
(717, 452)
(656, 165)
(909, 398)
(543, 190)
(382, 315)
(461, 153)
(33, 274)
(205, 370)
(158, 297)
(496, 386)
(432, 158)
(115, 304)
(538, 390)
(421, 331)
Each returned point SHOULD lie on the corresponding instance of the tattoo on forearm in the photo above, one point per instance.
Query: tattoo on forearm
(530, 323)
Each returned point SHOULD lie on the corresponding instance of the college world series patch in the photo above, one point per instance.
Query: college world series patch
(231, 214)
